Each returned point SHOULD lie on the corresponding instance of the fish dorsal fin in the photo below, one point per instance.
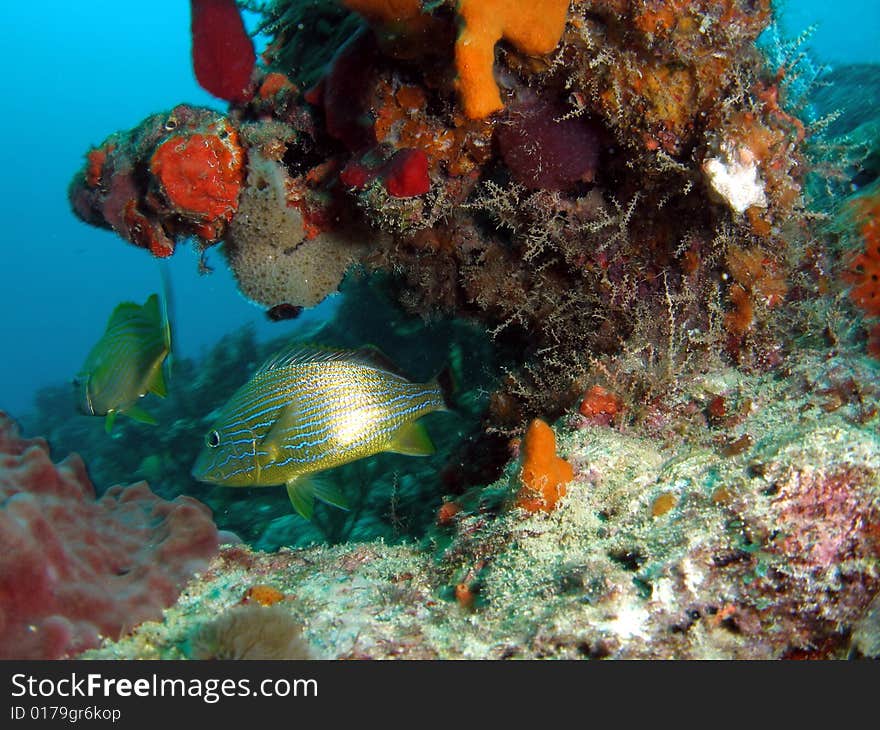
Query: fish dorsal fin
(373, 357)
(412, 440)
(299, 354)
(152, 310)
(166, 308)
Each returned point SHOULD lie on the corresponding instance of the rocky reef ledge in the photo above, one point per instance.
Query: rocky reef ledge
(752, 535)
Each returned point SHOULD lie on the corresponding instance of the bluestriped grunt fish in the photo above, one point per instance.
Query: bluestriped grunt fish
(308, 409)
(126, 363)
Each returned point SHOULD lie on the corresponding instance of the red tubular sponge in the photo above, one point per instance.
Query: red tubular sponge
(222, 51)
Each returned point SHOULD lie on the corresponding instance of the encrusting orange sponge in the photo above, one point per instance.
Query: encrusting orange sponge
(533, 28)
(543, 474)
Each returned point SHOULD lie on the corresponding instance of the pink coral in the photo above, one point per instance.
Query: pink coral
(73, 568)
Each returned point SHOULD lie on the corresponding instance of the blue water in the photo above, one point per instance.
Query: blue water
(74, 72)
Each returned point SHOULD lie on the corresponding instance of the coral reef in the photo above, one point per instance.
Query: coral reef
(223, 53)
(669, 242)
(392, 497)
(664, 546)
(74, 569)
(560, 176)
(276, 258)
(178, 174)
(864, 270)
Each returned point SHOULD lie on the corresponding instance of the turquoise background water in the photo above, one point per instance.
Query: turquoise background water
(74, 72)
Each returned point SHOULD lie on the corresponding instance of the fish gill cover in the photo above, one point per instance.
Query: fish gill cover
(629, 219)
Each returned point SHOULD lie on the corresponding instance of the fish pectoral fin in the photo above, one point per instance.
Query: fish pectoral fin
(108, 422)
(302, 496)
(274, 437)
(412, 440)
(140, 415)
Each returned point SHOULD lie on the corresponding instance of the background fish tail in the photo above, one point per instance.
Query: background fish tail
(167, 309)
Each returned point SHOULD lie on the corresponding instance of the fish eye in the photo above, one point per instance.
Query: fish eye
(212, 440)
(170, 124)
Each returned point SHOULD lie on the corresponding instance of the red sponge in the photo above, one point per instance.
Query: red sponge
(74, 569)
(222, 51)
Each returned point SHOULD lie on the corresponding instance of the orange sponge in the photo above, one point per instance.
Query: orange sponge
(864, 274)
(533, 28)
(404, 30)
(544, 474)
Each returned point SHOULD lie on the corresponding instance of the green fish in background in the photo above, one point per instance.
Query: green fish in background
(127, 362)
(308, 409)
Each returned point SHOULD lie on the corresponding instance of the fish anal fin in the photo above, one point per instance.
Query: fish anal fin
(302, 496)
(412, 440)
(139, 414)
(328, 493)
(304, 490)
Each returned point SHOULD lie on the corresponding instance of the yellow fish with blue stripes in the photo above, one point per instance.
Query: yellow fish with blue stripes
(312, 408)
(127, 362)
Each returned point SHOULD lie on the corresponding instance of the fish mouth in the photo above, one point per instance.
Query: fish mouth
(202, 473)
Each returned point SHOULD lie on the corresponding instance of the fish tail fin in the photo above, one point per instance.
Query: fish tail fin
(303, 491)
(448, 385)
(412, 439)
(166, 308)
